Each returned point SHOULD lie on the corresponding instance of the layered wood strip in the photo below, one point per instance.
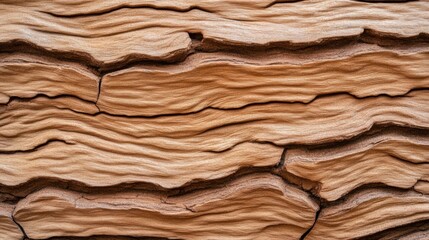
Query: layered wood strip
(368, 212)
(92, 148)
(8, 229)
(257, 206)
(26, 76)
(395, 158)
(98, 36)
(228, 82)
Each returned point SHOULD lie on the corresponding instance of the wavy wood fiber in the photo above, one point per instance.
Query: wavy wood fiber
(214, 119)
(397, 159)
(233, 83)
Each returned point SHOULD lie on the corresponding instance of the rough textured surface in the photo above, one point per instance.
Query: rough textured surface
(214, 119)
(26, 76)
(395, 158)
(192, 86)
(98, 32)
(144, 148)
(269, 207)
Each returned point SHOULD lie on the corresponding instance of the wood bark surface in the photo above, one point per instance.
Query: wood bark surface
(214, 119)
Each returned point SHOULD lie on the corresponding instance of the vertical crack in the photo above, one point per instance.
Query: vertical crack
(312, 226)
(19, 225)
(100, 79)
(281, 162)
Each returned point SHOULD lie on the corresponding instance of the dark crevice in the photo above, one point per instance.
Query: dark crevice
(407, 161)
(100, 81)
(281, 162)
(23, 46)
(4, 152)
(398, 232)
(36, 184)
(42, 95)
(208, 108)
(196, 40)
(312, 226)
(19, 225)
(8, 198)
(196, 36)
(275, 2)
(367, 36)
(127, 6)
(206, 45)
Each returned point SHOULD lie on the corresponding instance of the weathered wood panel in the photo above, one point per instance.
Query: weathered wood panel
(214, 119)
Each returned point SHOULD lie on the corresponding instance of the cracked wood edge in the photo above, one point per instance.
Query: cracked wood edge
(286, 211)
(395, 158)
(99, 38)
(368, 212)
(9, 230)
(227, 84)
(143, 148)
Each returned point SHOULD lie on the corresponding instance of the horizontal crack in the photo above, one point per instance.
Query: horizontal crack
(206, 45)
(50, 141)
(22, 190)
(43, 95)
(127, 6)
(320, 96)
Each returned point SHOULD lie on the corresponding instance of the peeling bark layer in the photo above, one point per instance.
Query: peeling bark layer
(214, 119)
(270, 208)
(395, 158)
